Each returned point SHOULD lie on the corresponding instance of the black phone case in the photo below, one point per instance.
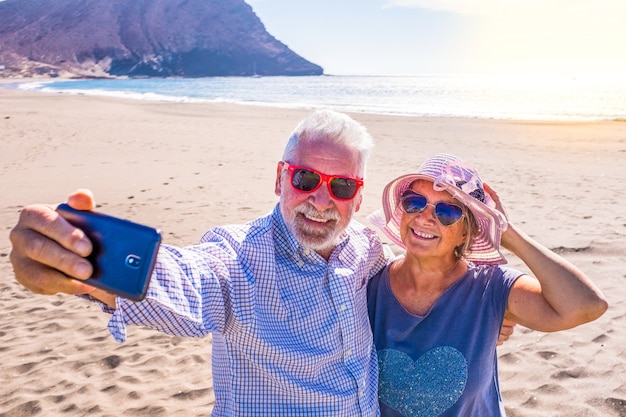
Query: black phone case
(124, 252)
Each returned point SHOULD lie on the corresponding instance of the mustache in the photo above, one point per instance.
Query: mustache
(310, 211)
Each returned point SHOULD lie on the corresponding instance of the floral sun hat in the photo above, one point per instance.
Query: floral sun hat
(451, 174)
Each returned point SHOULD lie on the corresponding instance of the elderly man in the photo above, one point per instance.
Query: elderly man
(284, 295)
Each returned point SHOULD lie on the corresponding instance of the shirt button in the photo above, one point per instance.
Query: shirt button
(343, 307)
(300, 264)
(361, 393)
(349, 352)
(307, 251)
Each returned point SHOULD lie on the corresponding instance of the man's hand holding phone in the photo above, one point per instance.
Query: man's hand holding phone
(47, 249)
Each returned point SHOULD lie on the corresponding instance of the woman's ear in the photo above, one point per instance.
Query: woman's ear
(465, 240)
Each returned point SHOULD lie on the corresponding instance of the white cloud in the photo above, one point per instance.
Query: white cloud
(507, 7)
(468, 7)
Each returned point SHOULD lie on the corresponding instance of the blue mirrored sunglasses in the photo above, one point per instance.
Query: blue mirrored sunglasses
(446, 213)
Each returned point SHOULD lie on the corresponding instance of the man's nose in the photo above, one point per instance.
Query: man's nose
(321, 198)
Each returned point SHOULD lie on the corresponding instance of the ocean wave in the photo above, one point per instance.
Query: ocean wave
(520, 97)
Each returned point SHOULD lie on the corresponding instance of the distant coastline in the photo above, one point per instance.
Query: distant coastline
(503, 97)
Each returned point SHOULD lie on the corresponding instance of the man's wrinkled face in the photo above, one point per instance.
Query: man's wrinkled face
(316, 218)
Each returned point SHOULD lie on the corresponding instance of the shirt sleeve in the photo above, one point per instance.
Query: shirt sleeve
(506, 278)
(188, 292)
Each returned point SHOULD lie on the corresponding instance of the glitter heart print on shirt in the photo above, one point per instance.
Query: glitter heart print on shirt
(423, 388)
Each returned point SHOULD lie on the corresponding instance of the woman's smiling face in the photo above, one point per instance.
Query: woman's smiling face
(422, 233)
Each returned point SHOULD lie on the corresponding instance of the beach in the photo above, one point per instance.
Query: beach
(186, 167)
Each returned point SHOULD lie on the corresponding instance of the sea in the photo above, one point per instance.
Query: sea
(547, 97)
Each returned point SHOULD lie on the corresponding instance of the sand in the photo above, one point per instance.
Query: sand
(186, 167)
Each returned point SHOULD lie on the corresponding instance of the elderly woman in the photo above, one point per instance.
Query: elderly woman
(436, 312)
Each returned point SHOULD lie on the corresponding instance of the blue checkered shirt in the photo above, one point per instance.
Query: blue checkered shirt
(291, 335)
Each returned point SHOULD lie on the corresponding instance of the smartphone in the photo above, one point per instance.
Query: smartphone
(123, 253)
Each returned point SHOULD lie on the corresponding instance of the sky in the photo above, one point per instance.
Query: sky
(404, 37)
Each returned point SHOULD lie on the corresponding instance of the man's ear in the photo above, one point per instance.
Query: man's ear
(279, 174)
(358, 203)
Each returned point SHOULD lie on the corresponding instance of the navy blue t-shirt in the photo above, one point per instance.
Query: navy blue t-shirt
(443, 363)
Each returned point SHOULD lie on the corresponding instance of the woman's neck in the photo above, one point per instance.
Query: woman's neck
(418, 284)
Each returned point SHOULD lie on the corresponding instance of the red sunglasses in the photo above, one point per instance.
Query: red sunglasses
(308, 180)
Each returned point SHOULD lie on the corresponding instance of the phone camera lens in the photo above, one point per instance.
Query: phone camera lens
(133, 261)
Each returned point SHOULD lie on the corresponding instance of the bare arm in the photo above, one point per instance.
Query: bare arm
(561, 296)
(46, 249)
